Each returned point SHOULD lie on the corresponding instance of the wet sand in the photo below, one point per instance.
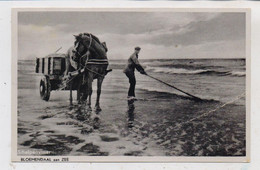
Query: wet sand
(151, 126)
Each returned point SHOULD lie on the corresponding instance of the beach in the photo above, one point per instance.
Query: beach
(162, 122)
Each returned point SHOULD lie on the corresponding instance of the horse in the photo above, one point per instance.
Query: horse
(90, 54)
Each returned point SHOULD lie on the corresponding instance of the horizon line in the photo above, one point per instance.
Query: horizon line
(163, 58)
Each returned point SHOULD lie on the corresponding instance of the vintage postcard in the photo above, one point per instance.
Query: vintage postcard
(130, 85)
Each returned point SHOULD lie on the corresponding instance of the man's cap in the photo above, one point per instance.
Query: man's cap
(137, 48)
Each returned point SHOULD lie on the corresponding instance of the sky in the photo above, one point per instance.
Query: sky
(167, 35)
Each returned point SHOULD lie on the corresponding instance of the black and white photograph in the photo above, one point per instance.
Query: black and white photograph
(120, 83)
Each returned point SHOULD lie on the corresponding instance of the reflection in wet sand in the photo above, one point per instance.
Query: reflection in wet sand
(131, 113)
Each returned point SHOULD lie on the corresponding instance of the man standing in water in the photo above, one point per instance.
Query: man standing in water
(132, 64)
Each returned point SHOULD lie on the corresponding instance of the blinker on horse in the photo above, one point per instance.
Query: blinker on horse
(90, 55)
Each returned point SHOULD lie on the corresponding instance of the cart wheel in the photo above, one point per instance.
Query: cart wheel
(45, 88)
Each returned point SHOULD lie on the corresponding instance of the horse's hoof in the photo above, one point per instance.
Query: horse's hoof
(96, 122)
(89, 108)
(71, 107)
(98, 109)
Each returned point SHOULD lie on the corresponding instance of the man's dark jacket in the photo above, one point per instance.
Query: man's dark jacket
(132, 64)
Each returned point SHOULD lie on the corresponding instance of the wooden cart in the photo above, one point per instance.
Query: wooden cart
(52, 68)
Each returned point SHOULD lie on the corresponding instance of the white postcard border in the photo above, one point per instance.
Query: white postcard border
(16, 158)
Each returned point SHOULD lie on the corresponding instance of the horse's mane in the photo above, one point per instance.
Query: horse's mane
(83, 35)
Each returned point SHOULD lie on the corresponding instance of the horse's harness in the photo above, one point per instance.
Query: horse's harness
(84, 67)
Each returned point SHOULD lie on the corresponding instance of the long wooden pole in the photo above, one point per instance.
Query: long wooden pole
(196, 98)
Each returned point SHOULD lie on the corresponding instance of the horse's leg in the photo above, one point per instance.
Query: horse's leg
(99, 85)
(70, 94)
(89, 89)
(78, 95)
(79, 92)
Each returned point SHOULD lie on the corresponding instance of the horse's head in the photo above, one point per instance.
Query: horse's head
(81, 46)
(82, 43)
